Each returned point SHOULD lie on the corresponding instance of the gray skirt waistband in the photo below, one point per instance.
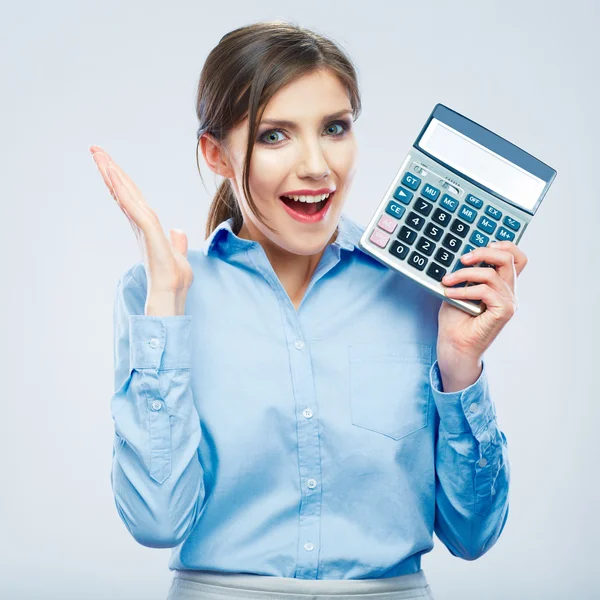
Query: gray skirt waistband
(238, 582)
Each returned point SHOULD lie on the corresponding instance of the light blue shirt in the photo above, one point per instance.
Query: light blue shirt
(315, 444)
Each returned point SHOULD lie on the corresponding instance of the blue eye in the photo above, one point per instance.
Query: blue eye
(345, 125)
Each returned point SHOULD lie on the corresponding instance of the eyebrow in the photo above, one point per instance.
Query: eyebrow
(291, 124)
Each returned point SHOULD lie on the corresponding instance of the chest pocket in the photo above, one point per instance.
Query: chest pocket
(389, 387)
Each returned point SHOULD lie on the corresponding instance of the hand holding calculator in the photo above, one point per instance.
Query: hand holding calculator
(460, 186)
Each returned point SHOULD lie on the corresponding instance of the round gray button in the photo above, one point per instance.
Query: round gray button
(482, 462)
(299, 344)
(156, 405)
(474, 407)
(311, 483)
(308, 546)
(307, 413)
(153, 342)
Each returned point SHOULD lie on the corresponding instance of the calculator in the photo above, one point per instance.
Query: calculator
(460, 186)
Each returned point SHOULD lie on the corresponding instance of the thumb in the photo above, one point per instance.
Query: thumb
(179, 241)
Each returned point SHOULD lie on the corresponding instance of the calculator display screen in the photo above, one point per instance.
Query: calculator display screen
(481, 164)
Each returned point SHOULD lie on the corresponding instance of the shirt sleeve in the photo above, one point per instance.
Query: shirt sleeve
(156, 476)
(472, 468)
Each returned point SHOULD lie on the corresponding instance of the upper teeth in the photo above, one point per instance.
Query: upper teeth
(309, 198)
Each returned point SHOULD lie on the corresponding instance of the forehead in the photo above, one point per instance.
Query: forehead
(308, 97)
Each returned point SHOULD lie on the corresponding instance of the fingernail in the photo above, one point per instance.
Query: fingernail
(468, 255)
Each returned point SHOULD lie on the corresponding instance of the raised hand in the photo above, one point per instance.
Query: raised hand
(168, 271)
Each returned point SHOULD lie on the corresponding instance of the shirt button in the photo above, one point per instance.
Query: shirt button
(299, 344)
(473, 408)
(307, 413)
(311, 483)
(482, 462)
(153, 342)
(156, 405)
(308, 546)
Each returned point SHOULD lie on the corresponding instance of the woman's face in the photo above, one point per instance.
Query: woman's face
(315, 151)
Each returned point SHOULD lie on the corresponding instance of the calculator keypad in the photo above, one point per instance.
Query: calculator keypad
(445, 232)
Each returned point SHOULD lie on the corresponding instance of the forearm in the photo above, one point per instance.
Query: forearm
(472, 469)
(157, 478)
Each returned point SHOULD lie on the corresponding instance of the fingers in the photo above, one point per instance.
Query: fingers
(519, 257)
(502, 259)
(126, 180)
(480, 275)
(502, 306)
(124, 191)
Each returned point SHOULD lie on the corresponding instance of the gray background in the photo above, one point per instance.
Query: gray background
(123, 75)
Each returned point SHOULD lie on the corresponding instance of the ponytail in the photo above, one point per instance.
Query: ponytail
(224, 206)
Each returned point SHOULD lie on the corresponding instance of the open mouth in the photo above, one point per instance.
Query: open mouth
(306, 208)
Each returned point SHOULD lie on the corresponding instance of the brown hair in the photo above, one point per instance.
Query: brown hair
(241, 74)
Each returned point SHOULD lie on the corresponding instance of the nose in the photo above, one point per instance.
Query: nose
(312, 161)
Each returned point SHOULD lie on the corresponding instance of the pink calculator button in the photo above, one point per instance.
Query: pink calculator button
(379, 238)
(388, 223)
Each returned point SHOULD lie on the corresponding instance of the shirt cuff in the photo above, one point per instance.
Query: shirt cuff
(160, 342)
(469, 409)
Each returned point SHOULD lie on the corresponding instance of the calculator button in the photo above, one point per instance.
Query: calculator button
(486, 224)
(449, 203)
(430, 192)
(459, 228)
(436, 271)
(387, 223)
(425, 246)
(493, 212)
(474, 201)
(479, 239)
(441, 216)
(398, 249)
(433, 231)
(512, 223)
(423, 206)
(505, 234)
(395, 209)
(403, 195)
(410, 181)
(451, 242)
(414, 220)
(466, 213)
(417, 260)
(379, 238)
(445, 257)
(407, 235)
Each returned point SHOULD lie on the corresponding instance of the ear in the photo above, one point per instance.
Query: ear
(215, 156)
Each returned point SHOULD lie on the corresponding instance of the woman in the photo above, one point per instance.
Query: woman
(301, 419)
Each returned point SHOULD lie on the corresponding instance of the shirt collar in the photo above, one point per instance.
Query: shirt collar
(223, 239)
